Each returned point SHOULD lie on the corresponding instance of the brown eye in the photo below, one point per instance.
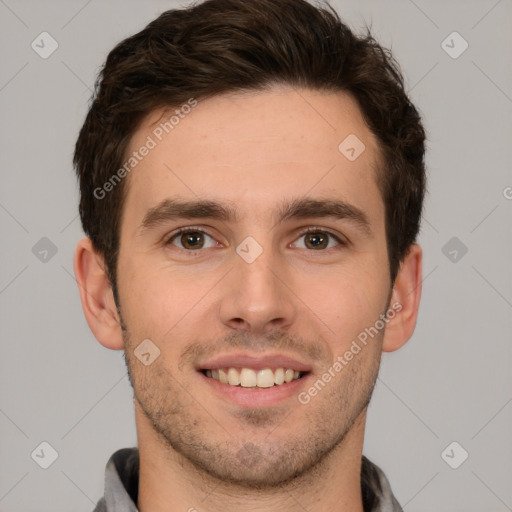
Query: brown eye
(316, 240)
(191, 239)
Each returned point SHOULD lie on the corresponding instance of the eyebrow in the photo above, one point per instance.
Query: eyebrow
(300, 208)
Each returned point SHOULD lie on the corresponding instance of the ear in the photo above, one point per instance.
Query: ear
(96, 295)
(405, 301)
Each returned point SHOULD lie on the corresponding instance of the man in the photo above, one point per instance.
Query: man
(252, 178)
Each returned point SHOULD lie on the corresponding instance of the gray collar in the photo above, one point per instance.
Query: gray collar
(122, 485)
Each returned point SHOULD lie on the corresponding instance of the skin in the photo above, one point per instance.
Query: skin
(199, 450)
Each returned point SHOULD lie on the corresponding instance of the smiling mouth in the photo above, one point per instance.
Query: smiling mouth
(249, 378)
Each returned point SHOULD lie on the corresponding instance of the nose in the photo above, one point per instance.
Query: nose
(258, 297)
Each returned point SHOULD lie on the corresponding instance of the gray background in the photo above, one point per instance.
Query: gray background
(451, 382)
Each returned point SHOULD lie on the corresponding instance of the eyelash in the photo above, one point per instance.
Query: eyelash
(311, 229)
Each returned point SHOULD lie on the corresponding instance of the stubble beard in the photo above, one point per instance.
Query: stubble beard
(297, 444)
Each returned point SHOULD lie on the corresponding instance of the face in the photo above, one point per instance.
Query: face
(283, 266)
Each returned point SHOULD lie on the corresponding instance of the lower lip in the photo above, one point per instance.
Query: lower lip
(256, 397)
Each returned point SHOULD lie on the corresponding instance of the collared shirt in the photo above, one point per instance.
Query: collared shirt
(122, 485)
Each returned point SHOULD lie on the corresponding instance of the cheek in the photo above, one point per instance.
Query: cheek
(161, 304)
(351, 302)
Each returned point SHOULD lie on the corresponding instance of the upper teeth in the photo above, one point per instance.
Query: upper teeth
(249, 378)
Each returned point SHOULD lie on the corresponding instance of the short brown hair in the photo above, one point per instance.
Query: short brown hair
(221, 46)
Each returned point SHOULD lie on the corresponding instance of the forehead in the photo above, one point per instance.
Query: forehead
(251, 147)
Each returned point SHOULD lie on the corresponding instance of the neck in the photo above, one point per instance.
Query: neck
(169, 482)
